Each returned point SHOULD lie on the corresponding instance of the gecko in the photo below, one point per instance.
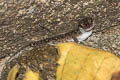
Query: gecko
(82, 32)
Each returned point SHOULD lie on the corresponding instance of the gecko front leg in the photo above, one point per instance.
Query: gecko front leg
(84, 35)
(81, 37)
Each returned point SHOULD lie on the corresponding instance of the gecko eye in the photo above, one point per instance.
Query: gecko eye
(86, 23)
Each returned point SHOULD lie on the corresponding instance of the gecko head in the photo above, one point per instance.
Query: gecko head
(86, 23)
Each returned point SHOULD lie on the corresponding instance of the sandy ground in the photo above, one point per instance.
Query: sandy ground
(108, 40)
(2, 64)
(21, 21)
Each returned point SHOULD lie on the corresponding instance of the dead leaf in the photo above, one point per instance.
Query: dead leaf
(84, 63)
(30, 75)
(13, 72)
(116, 76)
